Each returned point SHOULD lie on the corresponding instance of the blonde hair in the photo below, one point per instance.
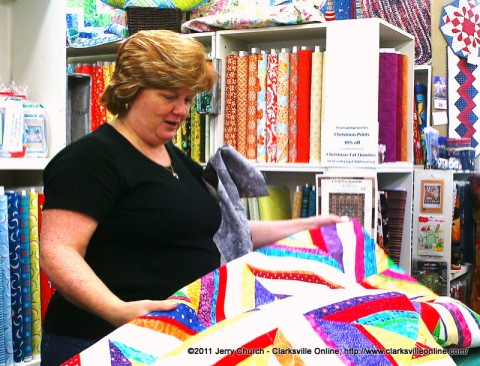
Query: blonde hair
(158, 59)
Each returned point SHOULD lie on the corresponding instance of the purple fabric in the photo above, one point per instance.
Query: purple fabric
(333, 243)
(387, 105)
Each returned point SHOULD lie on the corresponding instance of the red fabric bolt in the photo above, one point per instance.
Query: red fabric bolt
(303, 105)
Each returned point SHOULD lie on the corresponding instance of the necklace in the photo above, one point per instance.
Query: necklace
(170, 169)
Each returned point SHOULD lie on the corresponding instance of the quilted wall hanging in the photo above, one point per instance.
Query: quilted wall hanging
(463, 85)
(460, 25)
(413, 16)
(325, 296)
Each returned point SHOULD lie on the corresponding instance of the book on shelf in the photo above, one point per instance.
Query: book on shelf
(347, 196)
(432, 274)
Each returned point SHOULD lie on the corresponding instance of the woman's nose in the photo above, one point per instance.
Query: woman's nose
(182, 108)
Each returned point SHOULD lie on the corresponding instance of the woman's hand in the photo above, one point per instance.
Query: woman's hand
(267, 232)
(322, 220)
(124, 312)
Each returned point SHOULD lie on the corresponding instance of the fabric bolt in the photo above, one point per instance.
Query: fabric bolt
(232, 177)
(186, 134)
(396, 202)
(333, 289)
(3, 323)
(24, 208)
(303, 105)
(262, 108)
(108, 68)
(7, 331)
(195, 134)
(230, 133)
(242, 91)
(202, 138)
(283, 93)
(272, 100)
(297, 203)
(312, 204)
(316, 105)
(292, 106)
(15, 274)
(46, 287)
(305, 200)
(276, 205)
(253, 209)
(98, 87)
(252, 91)
(178, 138)
(35, 273)
(205, 137)
(402, 107)
(387, 104)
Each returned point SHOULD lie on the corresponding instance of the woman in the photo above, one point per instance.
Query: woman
(127, 219)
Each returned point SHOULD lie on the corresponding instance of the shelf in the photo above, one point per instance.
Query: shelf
(109, 50)
(104, 49)
(23, 163)
(458, 273)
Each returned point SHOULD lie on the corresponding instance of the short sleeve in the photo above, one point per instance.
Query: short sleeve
(83, 177)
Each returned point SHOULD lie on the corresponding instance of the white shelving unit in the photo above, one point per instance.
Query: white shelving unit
(34, 55)
(351, 78)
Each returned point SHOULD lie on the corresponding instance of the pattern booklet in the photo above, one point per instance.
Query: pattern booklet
(348, 196)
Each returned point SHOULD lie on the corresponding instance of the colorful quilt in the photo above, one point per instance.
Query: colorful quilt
(328, 294)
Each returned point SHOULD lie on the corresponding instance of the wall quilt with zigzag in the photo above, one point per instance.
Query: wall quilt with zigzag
(463, 99)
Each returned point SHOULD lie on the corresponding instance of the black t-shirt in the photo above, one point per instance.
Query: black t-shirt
(154, 234)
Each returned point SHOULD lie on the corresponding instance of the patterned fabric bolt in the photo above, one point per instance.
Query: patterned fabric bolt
(292, 107)
(242, 91)
(271, 96)
(15, 275)
(262, 108)
(35, 273)
(316, 105)
(252, 106)
(283, 90)
(230, 133)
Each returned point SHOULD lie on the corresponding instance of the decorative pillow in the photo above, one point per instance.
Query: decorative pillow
(256, 14)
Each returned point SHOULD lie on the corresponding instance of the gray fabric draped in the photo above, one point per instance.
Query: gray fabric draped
(231, 177)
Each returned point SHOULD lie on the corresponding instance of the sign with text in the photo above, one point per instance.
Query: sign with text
(349, 144)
